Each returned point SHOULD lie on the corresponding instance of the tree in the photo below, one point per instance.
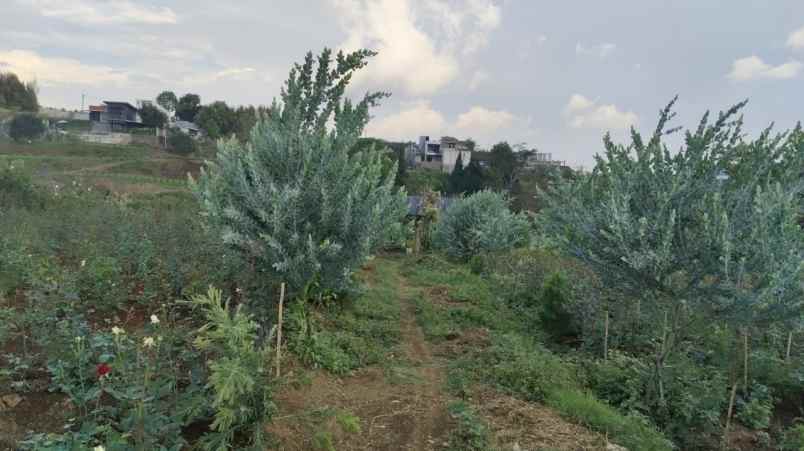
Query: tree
(703, 236)
(295, 200)
(474, 178)
(168, 101)
(188, 106)
(502, 166)
(217, 120)
(152, 116)
(26, 126)
(456, 182)
(15, 94)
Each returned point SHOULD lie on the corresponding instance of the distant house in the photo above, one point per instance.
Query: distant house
(187, 127)
(116, 116)
(444, 153)
(531, 159)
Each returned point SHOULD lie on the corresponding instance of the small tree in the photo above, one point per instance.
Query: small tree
(217, 120)
(707, 234)
(295, 199)
(188, 106)
(502, 166)
(167, 100)
(152, 117)
(26, 126)
(478, 224)
(455, 182)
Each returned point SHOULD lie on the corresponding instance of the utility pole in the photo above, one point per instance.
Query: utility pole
(83, 96)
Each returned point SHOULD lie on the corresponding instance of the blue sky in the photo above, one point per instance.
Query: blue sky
(554, 75)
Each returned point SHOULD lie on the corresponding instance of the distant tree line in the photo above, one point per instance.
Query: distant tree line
(14, 94)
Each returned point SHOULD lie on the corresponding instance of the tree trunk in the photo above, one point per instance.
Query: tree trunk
(789, 346)
(728, 415)
(745, 359)
(606, 336)
(279, 329)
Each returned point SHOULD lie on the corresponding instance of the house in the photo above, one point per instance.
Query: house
(187, 127)
(444, 153)
(532, 158)
(115, 116)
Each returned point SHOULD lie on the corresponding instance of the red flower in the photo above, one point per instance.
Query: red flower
(102, 370)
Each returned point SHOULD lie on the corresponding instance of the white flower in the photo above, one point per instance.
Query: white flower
(83, 263)
(99, 448)
(78, 339)
(117, 331)
(148, 342)
(154, 319)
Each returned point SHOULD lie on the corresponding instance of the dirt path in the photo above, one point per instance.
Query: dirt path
(401, 405)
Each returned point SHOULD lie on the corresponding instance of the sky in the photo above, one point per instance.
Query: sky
(553, 75)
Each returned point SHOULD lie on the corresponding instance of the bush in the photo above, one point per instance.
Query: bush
(181, 143)
(25, 127)
(17, 189)
(793, 439)
(294, 198)
(479, 224)
(554, 314)
(755, 412)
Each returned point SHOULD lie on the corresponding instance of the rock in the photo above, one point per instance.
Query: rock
(10, 401)
(613, 447)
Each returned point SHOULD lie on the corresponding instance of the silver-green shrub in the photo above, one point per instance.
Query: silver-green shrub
(479, 224)
(294, 199)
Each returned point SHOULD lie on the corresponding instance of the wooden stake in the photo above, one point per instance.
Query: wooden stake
(279, 329)
(745, 360)
(728, 415)
(789, 346)
(606, 337)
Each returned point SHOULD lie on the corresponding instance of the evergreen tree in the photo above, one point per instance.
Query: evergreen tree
(167, 100)
(294, 199)
(474, 178)
(456, 182)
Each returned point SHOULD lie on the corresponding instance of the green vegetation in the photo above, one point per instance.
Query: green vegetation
(16, 95)
(181, 143)
(480, 223)
(295, 199)
(26, 127)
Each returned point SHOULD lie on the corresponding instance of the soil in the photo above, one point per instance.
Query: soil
(407, 415)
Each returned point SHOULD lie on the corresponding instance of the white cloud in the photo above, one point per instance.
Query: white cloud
(54, 71)
(415, 119)
(584, 113)
(602, 50)
(796, 39)
(413, 56)
(232, 74)
(478, 78)
(419, 118)
(753, 68)
(96, 12)
(482, 121)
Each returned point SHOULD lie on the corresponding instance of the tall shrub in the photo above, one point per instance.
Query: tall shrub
(478, 224)
(26, 126)
(294, 198)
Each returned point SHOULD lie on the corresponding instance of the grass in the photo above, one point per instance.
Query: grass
(514, 361)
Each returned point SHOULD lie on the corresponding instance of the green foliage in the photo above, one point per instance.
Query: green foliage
(502, 166)
(480, 223)
(167, 100)
(17, 188)
(25, 127)
(470, 433)
(188, 106)
(238, 375)
(152, 117)
(793, 439)
(465, 180)
(554, 314)
(524, 368)
(755, 412)
(17, 95)
(633, 432)
(181, 143)
(295, 199)
(217, 119)
(421, 180)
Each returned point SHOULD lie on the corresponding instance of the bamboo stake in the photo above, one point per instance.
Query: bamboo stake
(606, 337)
(728, 415)
(279, 329)
(745, 360)
(789, 346)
